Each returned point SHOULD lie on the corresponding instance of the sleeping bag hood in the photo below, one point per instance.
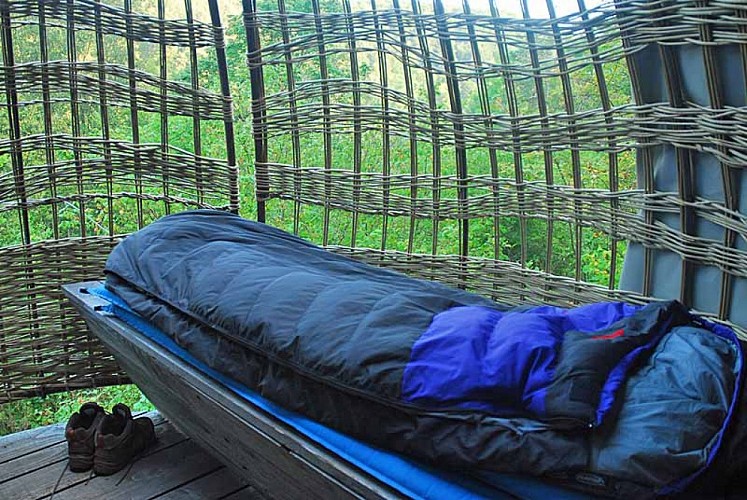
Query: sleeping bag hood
(617, 399)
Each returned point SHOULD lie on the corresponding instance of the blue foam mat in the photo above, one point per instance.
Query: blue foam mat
(413, 479)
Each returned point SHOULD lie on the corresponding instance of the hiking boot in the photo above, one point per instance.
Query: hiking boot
(80, 433)
(119, 439)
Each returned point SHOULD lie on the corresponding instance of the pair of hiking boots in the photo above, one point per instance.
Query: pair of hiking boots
(105, 441)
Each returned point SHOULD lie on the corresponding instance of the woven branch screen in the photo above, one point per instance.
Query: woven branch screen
(516, 148)
(534, 151)
(108, 128)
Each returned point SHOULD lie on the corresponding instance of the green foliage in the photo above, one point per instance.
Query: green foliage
(35, 412)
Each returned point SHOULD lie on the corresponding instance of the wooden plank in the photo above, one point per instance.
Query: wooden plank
(275, 458)
(40, 482)
(246, 493)
(21, 443)
(33, 462)
(150, 476)
(49, 455)
(216, 484)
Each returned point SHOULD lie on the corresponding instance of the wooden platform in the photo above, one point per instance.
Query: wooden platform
(175, 467)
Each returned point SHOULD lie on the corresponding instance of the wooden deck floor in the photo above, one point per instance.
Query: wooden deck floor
(175, 467)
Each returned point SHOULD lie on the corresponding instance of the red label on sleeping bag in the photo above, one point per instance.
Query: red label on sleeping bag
(610, 336)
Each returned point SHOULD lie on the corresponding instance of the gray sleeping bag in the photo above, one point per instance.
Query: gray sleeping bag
(624, 400)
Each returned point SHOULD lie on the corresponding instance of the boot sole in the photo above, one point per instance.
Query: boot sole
(80, 463)
(107, 469)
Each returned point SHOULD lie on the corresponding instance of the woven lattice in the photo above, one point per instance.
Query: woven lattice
(76, 74)
(511, 147)
(518, 148)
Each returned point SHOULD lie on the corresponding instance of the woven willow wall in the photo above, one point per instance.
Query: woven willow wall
(519, 148)
(107, 130)
(493, 144)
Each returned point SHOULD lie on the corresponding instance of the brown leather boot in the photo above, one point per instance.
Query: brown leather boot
(80, 432)
(119, 439)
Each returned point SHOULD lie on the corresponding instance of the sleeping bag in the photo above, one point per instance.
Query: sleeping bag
(616, 399)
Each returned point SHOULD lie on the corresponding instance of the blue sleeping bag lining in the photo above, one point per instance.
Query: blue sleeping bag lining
(407, 476)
